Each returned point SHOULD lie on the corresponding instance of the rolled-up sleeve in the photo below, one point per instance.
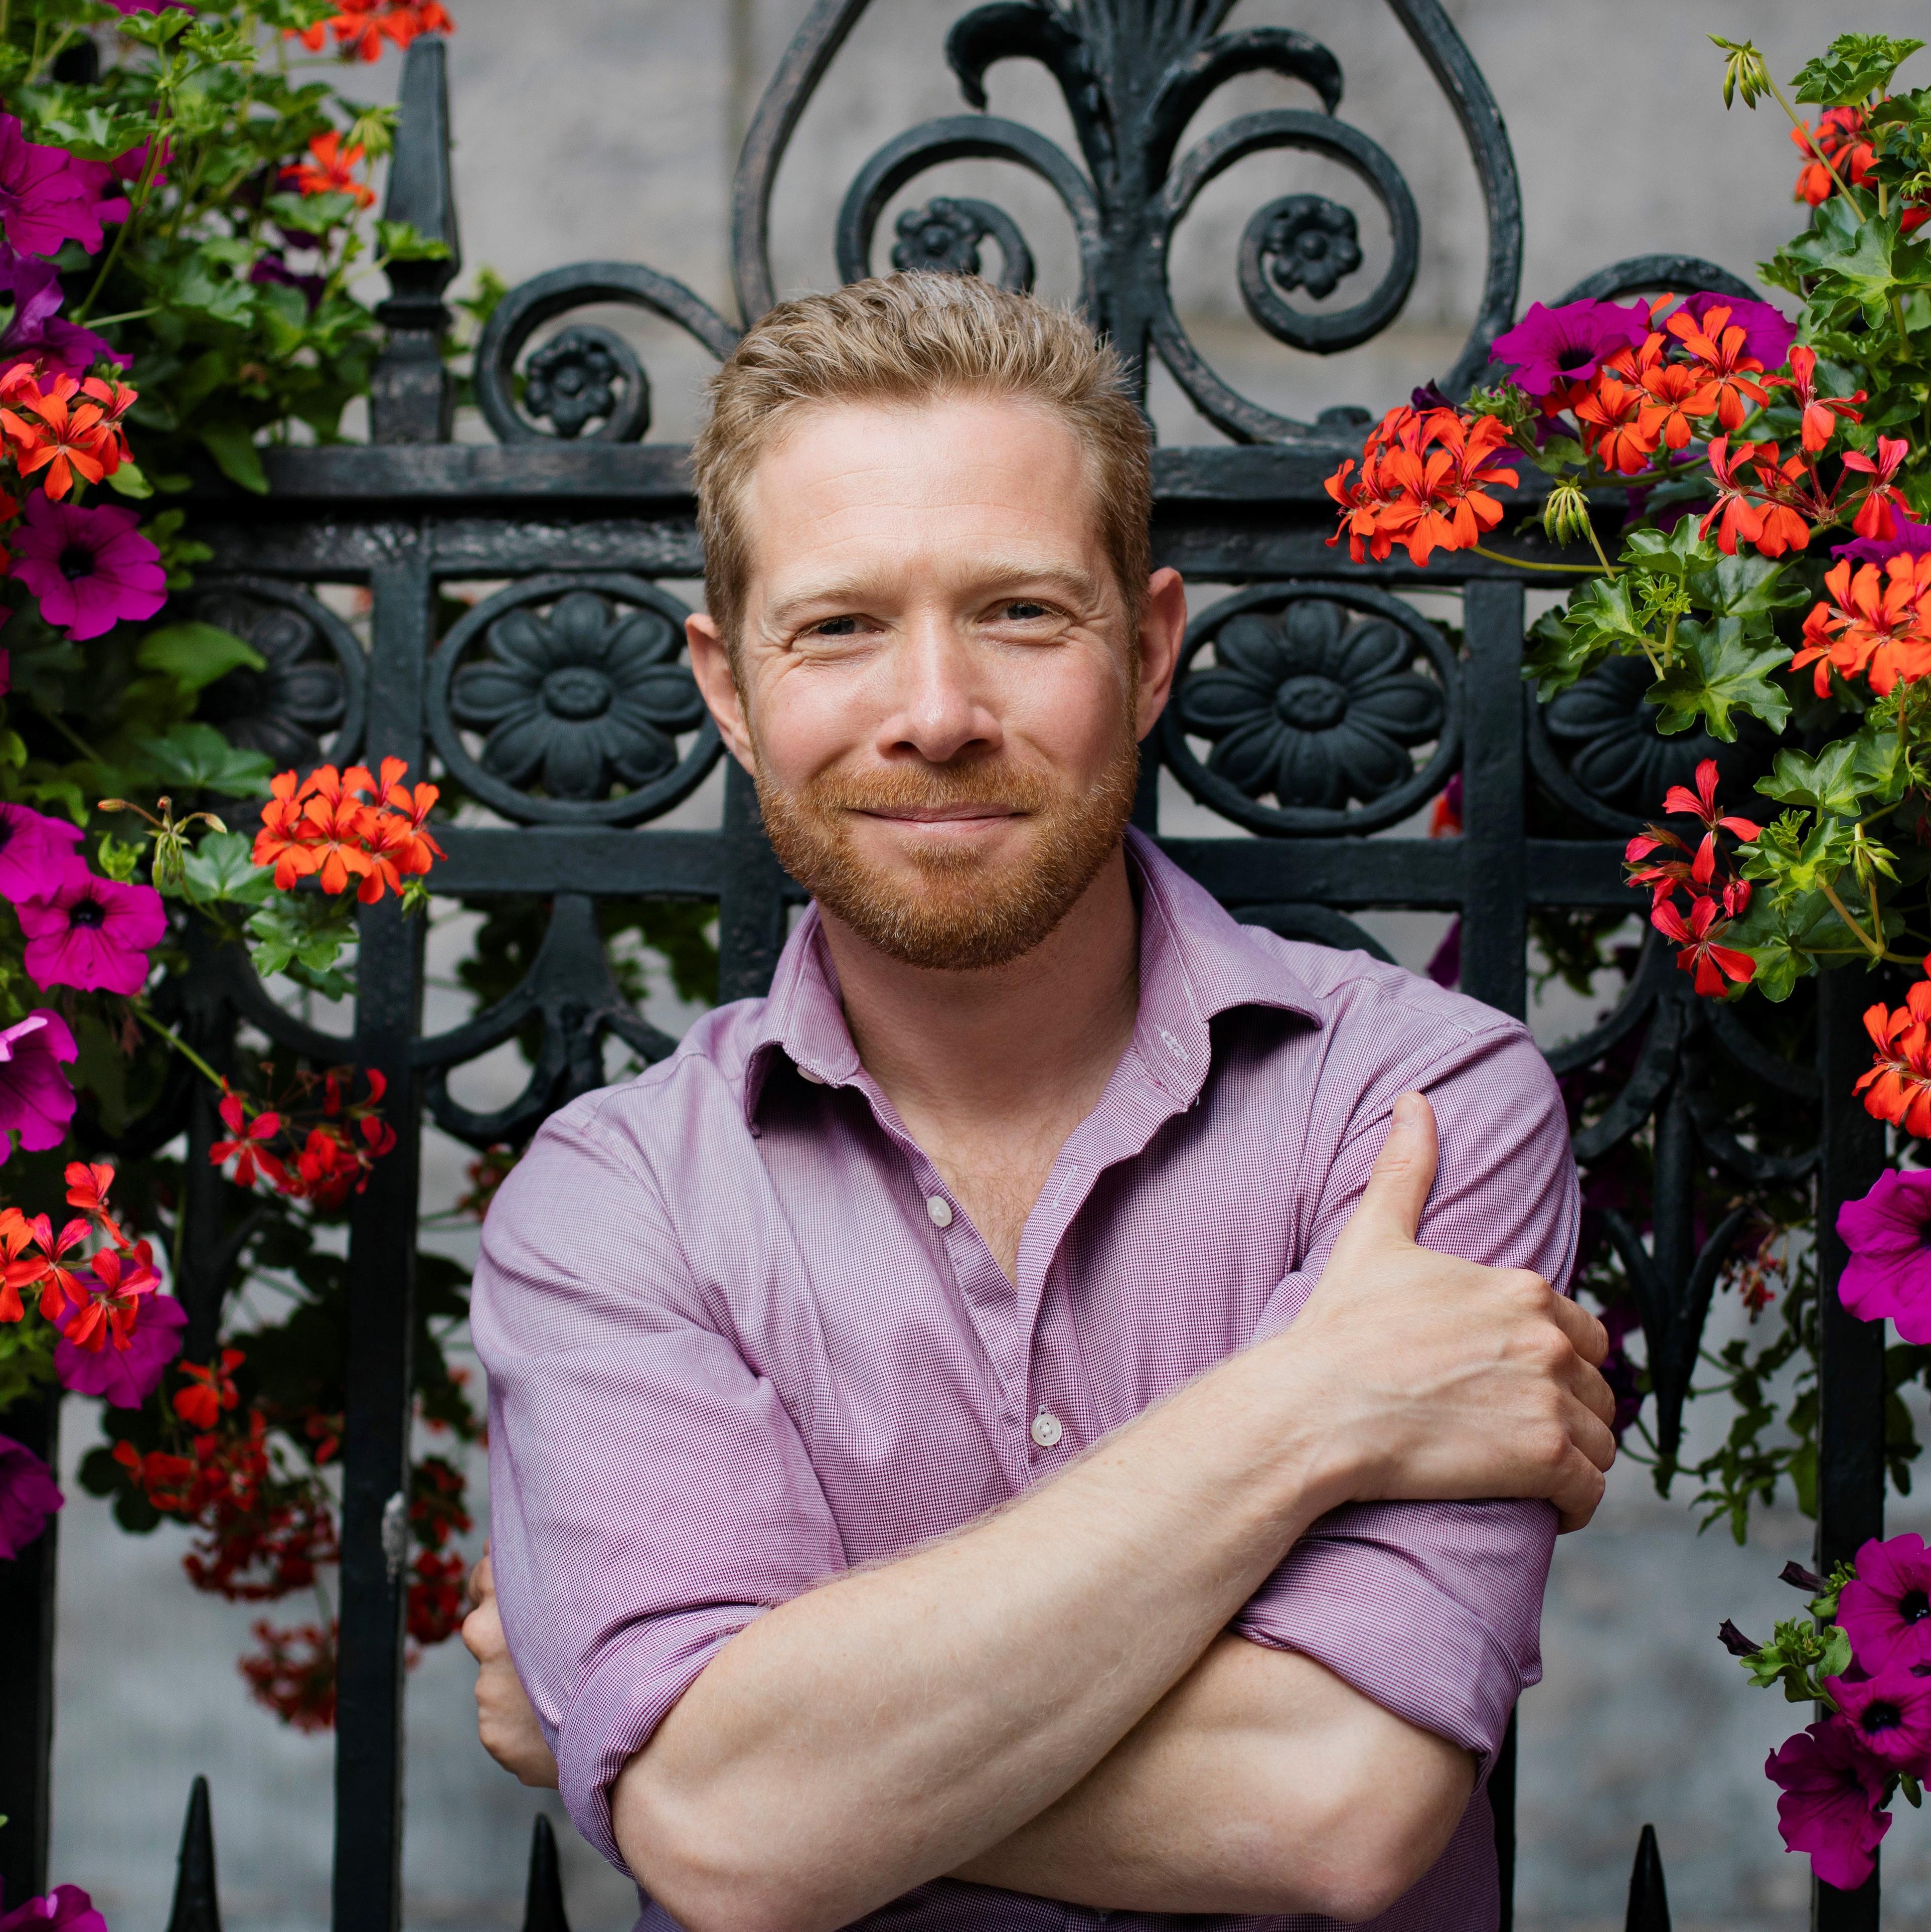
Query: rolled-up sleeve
(1434, 1610)
(649, 1494)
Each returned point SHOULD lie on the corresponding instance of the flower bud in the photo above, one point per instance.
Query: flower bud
(1565, 517)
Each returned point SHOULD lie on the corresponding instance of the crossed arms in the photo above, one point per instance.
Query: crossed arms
(1047, 1701)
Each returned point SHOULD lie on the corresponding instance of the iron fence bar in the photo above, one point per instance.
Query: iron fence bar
(755, 891)
(27, 1673)
(1494, 847)
(1850, 1423)
(382, 1256)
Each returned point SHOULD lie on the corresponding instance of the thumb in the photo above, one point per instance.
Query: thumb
(1391, 1205)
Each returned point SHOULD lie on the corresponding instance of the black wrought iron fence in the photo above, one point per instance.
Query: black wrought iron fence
(586, 521)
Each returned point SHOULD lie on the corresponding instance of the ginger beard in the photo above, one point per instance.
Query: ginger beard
(952, 908)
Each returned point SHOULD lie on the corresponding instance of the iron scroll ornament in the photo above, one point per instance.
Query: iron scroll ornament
(1315, 709)
(582, 361)
(1132, 84)
(580, 687)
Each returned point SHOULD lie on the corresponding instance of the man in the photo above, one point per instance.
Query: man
(974, 1444)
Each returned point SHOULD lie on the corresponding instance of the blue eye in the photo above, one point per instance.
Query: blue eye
(1023, 608)
(836, 627)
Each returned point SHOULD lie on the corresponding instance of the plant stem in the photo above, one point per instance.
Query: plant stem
(180, 1046)
(72, 737)
(1595, 544)
(1526, 563)
(127, 315)
(1874, 947)
(1802, 127)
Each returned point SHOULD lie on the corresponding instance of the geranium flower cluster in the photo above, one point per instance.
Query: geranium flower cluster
(362, 26)
(1841, 141)
(1425, 476)
(313, 1143)
(1718, 894)
(90, 1297)
(1867, 1658)
(339, 827)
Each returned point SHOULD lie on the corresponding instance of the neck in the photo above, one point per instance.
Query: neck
(1039, 1036)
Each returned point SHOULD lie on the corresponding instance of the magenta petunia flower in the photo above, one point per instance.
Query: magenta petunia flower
(1551, 348)
(37, 852)
(1767, 332)
(35, 1100)
(1830, 1806)
(1887, 1613)
(65, 1909)
(1907, 538)
(127, 1377)
(28, 1495)
(89, 568)
(45, 198)
(1888, 1233)
(1890, 1712)
(94, 934)
(36, 332)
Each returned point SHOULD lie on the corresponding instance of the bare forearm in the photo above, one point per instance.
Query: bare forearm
(1260, 1783)
(877, 1732)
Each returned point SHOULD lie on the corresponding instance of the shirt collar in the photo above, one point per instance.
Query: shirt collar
(1196, 960)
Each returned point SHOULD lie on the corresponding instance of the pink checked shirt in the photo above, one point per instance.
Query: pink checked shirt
(740, 1337)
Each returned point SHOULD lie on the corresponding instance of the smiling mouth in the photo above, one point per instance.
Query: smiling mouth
(941, 814)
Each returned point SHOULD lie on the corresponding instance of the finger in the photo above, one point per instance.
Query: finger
(1391, 1205)
(1589, 1388)
(1592, 1435)
(483, 1634)
(1586, 1336)
(482, 1583)
(1578, 1492)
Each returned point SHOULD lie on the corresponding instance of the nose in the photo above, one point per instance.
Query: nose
(940, 711)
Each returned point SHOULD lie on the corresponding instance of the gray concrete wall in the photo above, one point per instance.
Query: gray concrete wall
(606, 128)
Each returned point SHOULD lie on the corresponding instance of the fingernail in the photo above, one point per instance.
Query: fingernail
(1405, 1110)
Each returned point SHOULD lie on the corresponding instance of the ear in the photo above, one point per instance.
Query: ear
(711, 666)
(1163, 628)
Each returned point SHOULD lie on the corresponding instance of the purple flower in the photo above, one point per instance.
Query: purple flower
(45, 196)
(1831, 1801)
(37, 852)
(1890, 1712)
(126, 7)
(28, 1495)
(35, 1098)
(1888, 1233)
(127, 1377)
(1551, 348)
(36, 333)
(89, 568)
(1908, 538)
(273, 269)
(1767, 332)
(94, 934)
(66, 1909)
(1887, 1611)
(1444, 963)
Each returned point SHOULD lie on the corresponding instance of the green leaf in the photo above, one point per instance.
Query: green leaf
(1855, 66)
(303, 936)
(403, 241)
(127, 481)
(1745, 586)
(220, 297)
(1717, 672)
(1855, 264)
(1676, 554)
(196, 757)
(232, 446)
(195, 654)
(1826, 783)
(219, 868)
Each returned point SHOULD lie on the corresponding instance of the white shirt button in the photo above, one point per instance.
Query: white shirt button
(1046, 1430)
(940, 1210)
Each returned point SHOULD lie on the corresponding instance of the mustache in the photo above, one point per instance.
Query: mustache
(932, 788)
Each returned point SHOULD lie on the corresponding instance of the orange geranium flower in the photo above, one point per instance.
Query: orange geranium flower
(1873, 623)
(331, 170)
(1898, 1087)
(1612, 413)
(47, 434)
(1424, 482)
(1840, 135)
(1678, 392)
(1739, 518)
(1822, 414)
(1718, 345)
(1876, 516)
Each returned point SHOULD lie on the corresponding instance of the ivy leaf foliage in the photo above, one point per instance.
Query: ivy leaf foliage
(1835, 781)
(1717, 670)
(302, 935)
(1850, 265)
(196, 757)
(195, 654)
(220, 869)
(1854, 68)
(1563, 645)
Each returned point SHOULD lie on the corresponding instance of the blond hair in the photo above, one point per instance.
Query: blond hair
(915, 338)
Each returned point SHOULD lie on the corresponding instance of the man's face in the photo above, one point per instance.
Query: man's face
(938, 690)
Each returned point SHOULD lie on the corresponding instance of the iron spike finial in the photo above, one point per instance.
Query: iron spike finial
(197, 1906)
(1649, 1901)
(543, 1901)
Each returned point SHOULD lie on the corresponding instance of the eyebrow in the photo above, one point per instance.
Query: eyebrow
(996, 575)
